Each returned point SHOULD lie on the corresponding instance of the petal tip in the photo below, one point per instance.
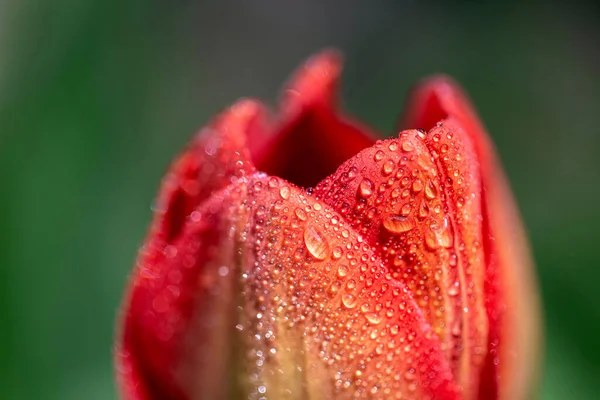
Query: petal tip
(315, 82)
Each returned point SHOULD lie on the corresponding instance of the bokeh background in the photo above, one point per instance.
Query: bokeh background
(96, 97)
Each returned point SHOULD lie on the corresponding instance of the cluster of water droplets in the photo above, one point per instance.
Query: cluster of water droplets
(318, 297)
(415, 200)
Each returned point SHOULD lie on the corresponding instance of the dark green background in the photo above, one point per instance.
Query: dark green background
(96, 97)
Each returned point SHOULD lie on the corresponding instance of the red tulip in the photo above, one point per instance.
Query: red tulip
(403, 273)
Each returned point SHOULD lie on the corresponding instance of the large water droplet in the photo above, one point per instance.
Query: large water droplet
(284, 192)
(445, 236)
(439, 235)
(301, 214)
(388, 167)
(407, 146)
(417, 185)
(343, 270)
(373, 318)
(349, 300)
(398, 223)
(365, 188)
(430, 190)
(316, 243)
(337, 252)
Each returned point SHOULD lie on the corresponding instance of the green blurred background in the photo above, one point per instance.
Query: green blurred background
(96, 97)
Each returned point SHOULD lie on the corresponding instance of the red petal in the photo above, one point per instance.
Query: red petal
(307, 143)
(166, 351)
(414, 198)
(216, 157)
(151, 339)
(511, 292)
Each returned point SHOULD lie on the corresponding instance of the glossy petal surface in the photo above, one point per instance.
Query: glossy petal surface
(398, 276)
(510, 289)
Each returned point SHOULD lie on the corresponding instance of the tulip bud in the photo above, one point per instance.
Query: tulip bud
(298, 258)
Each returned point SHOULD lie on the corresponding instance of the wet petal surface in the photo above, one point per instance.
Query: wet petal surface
(416, 200)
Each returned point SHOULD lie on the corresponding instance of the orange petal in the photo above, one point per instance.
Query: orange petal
(323, 316)
(511, 292)
(416, 200)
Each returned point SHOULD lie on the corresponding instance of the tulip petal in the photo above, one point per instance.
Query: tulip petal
(217, 156)
(510, 289)
(180, 313)
(150, 340)
(415, 198)
(324, 318)
(304, 145)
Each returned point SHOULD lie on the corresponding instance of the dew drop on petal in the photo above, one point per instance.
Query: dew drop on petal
(388, 167)
(417, 185)
(316, 243)
(445, 236)
(398, 223)
(343, 270)
(423, 210)
(348, 300)
(301, 214)
(405, 210)
(407, 146)
(430, 190)
(337, 252)
(373, 318)
(284, 192)
(365, 188)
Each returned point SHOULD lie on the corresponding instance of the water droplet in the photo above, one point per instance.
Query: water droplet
(405, 210)
(417, 185)
(301, 214)
(337, 252)
(453, 289)
(366, 188)
(430, 190)
(398, 223)
(423, 210)
(445, 236)
(378, 155)
(439, 235)
(393, 145)
(273, 183)
(284, 192)
(343, 270)
(170, 251)
(348, 300)
(407, 146)
(352, 173)
(316, 243)
(373, 318)
(388, 167)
